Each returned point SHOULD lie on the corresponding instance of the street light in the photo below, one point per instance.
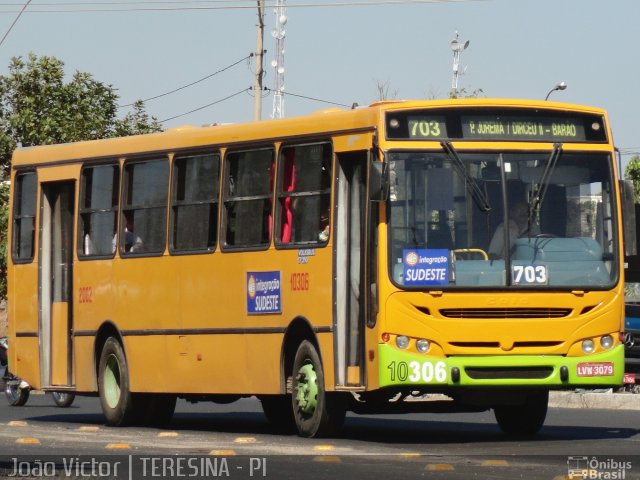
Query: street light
(560, 86)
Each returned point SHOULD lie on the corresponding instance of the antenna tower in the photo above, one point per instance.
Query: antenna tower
(278, 62)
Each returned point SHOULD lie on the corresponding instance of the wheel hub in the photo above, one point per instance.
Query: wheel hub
(307, 389)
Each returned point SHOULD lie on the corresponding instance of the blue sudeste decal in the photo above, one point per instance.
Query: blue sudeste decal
(426, 267)
(263, 292)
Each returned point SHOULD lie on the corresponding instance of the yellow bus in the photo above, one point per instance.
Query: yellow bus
(453, 255)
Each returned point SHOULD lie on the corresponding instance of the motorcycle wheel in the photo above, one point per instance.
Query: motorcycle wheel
(63, 399)
(16, 396)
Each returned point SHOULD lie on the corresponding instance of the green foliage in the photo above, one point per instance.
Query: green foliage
(632, 172)
(37, 107)
(463, 93)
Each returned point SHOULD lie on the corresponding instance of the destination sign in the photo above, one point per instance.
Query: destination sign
(522, 128)
(495, 124)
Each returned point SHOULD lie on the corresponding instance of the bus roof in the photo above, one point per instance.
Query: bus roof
(328, 121)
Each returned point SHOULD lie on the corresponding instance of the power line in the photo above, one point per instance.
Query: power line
(192, 83)
(24, 7)
(362, 3)
(205, 106)
(316, 99)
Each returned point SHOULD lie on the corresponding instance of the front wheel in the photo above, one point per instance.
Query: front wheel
(524, 419)
(63, 399)
(17, 395)
(316, 412)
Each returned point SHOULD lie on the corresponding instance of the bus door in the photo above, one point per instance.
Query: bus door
(350, 246)
(56, 283)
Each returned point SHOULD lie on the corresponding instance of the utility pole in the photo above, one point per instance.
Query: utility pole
(257, 88)
(278, 63)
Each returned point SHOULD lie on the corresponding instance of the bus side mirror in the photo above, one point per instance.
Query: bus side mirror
(628, 218)
(378, 182)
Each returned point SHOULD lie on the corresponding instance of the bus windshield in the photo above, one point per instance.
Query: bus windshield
(448, 212)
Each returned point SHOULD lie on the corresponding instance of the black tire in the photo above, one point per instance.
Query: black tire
(316, 412)
(16, 396)
(525, 419)
(277, 409)
(157, 409)
(63, 399)
(118, 403)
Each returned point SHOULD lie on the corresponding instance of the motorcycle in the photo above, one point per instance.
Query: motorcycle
(17, 390)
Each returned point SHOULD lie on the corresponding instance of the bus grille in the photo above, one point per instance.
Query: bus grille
(505, 312)
(497, 373)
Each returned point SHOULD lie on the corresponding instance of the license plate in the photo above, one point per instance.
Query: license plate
(600, 369)
(629, 379)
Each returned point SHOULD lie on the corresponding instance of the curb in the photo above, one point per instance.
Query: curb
(605, 400)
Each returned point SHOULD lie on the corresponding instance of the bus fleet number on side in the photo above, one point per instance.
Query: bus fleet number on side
(418, 372)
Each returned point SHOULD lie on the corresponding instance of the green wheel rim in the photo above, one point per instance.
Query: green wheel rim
(112, 381)
(307, 389)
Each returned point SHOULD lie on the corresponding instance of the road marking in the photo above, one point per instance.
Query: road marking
(118, 446)
(28, 441)
(168, 434)
(439, 467)
(327, 459)
(324, 448)
(222, 452)
(89, 429)
(18, 423)
(494, 463)
(410, 455)
(245, 440)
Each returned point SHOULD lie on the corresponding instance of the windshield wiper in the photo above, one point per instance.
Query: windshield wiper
(543, 185)
(478, 195)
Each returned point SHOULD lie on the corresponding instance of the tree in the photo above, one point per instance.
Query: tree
(37, 107)
(383, 91)
(632, 172)
(463, 93)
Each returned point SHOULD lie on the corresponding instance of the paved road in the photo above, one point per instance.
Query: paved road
(391, 446)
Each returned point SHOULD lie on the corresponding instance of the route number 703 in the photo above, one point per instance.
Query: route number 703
(529, 274)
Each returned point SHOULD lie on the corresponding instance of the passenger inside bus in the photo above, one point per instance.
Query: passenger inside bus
(132, 242)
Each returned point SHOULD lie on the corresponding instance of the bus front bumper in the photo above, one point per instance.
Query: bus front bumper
(401, 368)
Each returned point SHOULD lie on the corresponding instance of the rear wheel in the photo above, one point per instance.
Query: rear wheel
(524, 419)
(63, 399)
(16, 396)
(118, 403)
(315, 411)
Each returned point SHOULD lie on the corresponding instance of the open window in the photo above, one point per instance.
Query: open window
(304, 194)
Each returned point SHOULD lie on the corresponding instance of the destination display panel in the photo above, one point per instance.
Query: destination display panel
(496, 125)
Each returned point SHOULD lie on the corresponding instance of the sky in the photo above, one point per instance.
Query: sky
(339, 53)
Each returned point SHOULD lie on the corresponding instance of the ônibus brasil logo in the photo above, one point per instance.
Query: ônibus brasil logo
(251, 287)
(411, 259)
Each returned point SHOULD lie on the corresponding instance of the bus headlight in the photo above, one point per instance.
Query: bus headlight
(588, 346)
(422, 345)
(402, 342)
(606, 341)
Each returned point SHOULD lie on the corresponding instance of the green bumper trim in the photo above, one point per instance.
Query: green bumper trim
(397, 368)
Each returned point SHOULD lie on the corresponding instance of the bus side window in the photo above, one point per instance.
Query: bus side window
(144, 205)
(24, 217)
(194, 202)
(97, 220)
(304, 194)
(248, 183)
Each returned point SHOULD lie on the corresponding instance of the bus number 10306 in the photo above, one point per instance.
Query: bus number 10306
(416, 371)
